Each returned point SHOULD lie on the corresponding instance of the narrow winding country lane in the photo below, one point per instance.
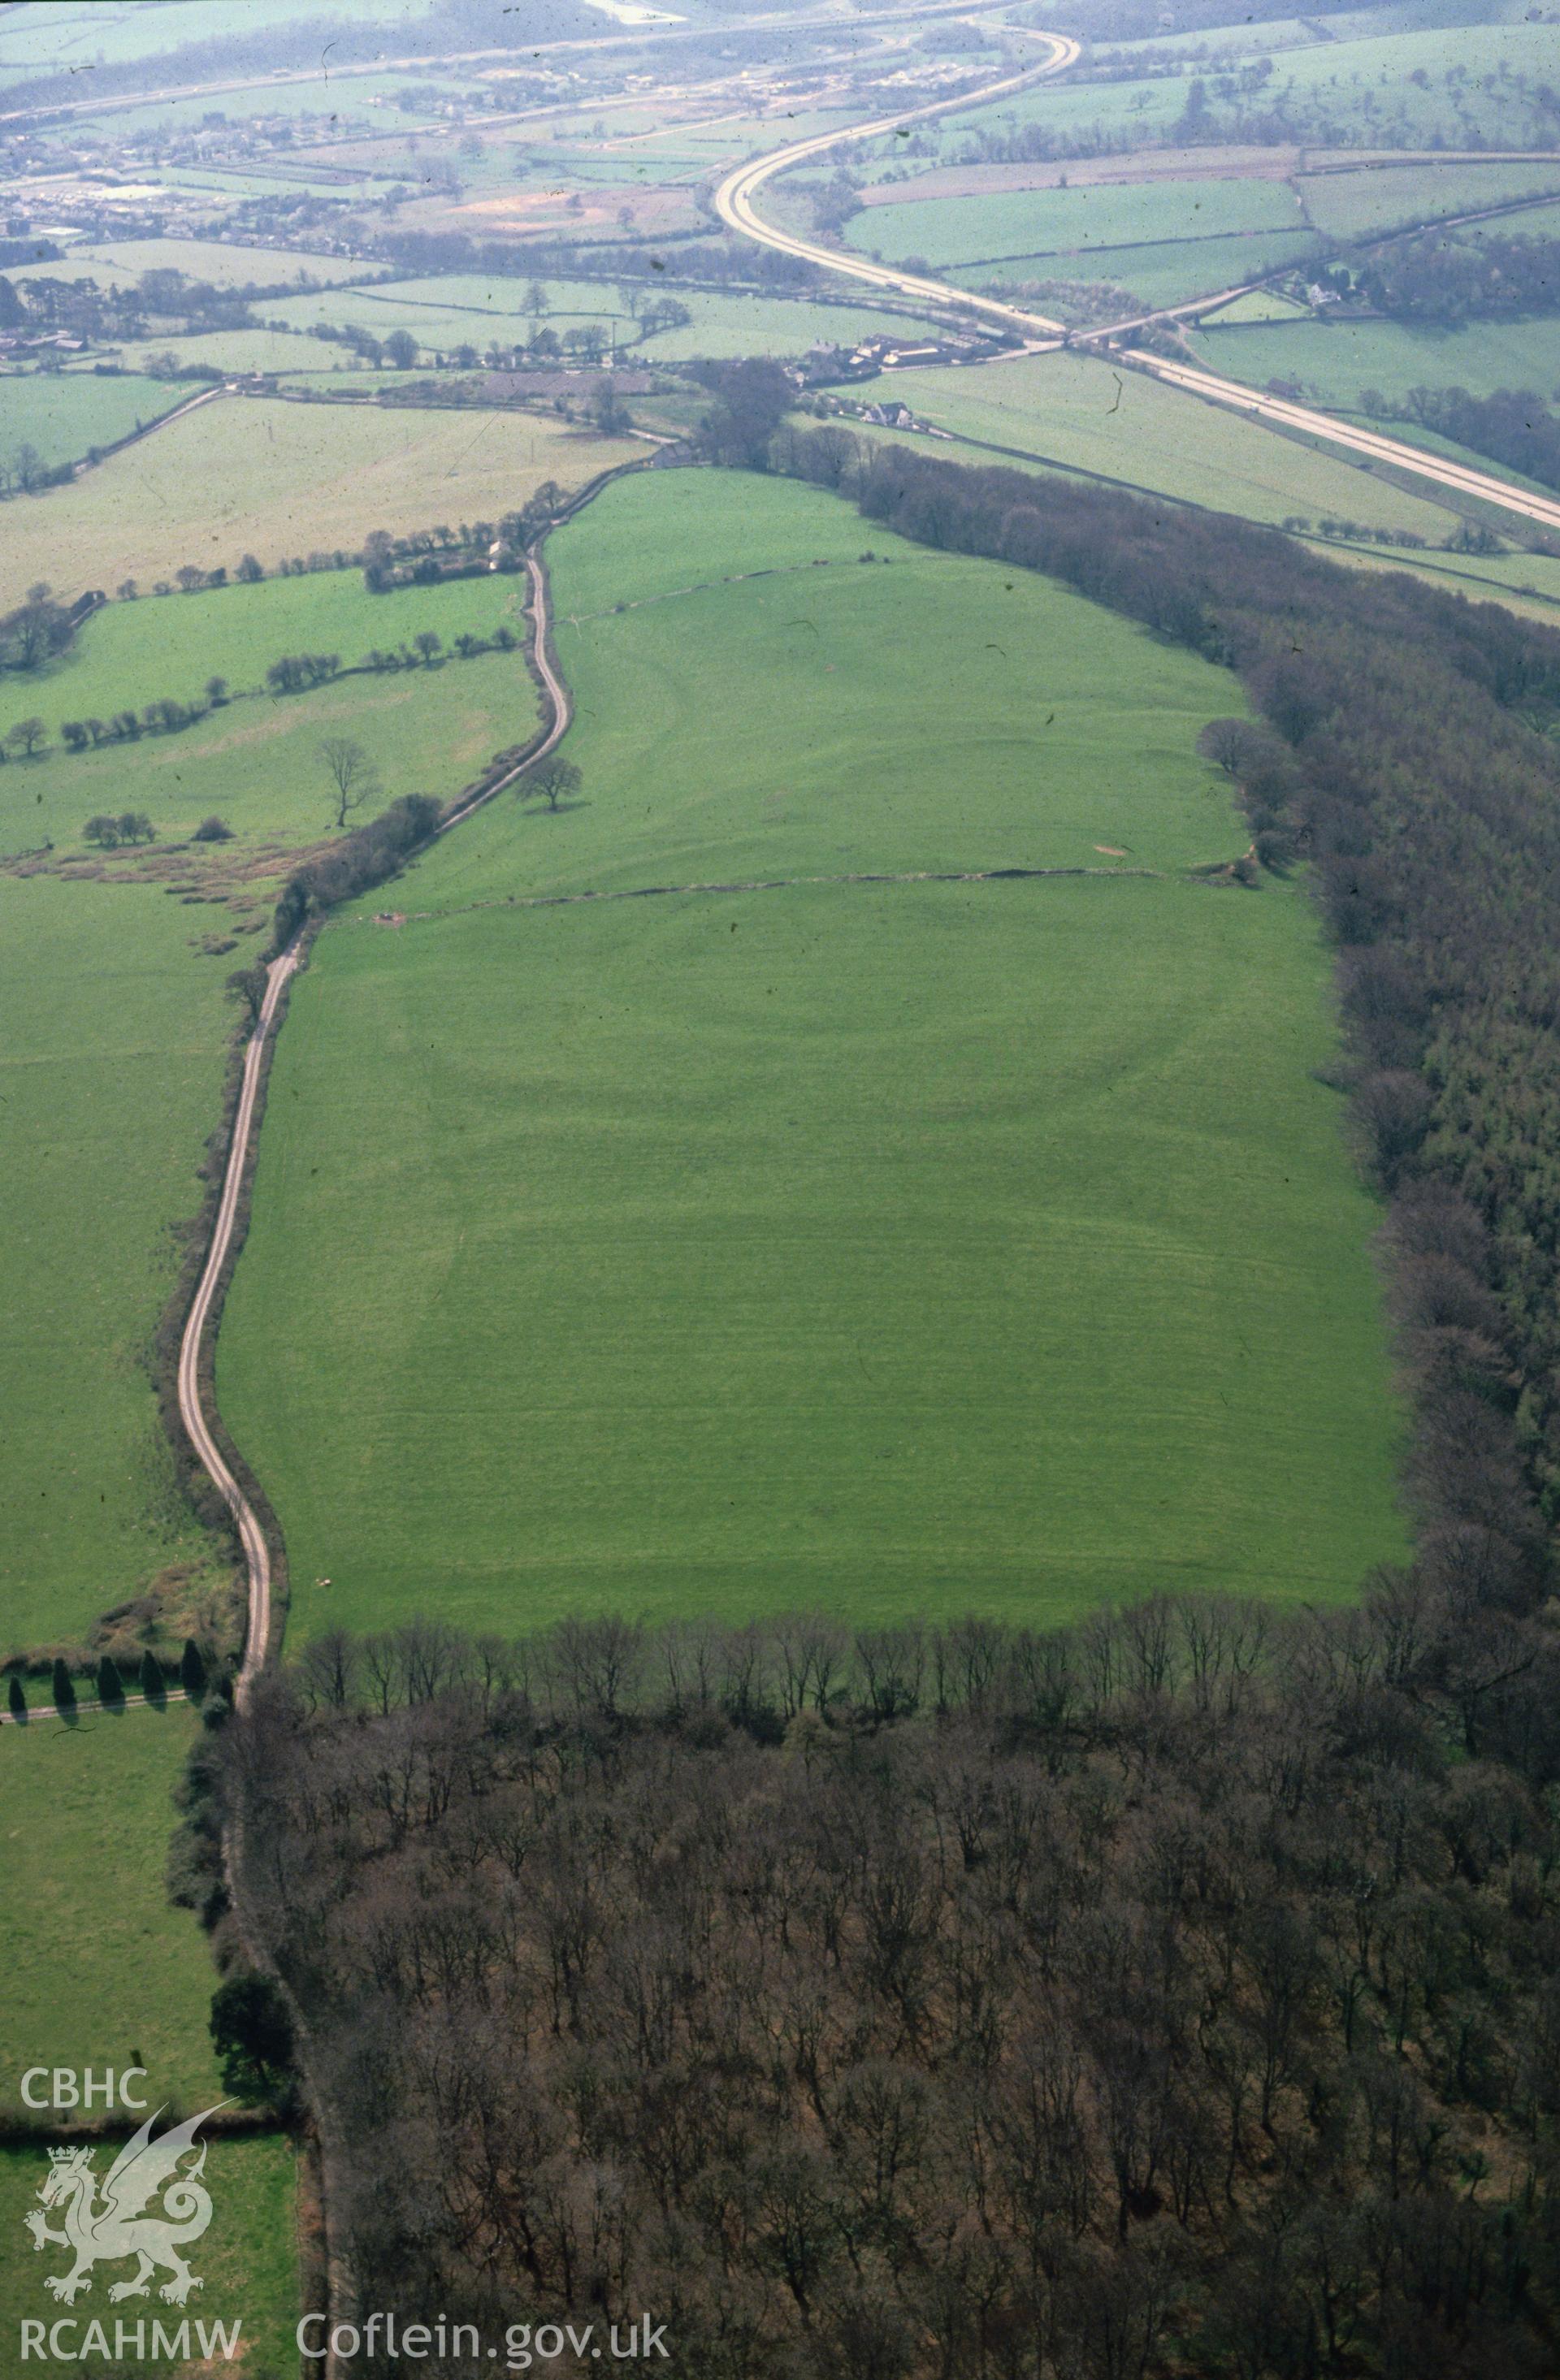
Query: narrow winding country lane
(192, 1402)
(252, 1536)
(734, 202)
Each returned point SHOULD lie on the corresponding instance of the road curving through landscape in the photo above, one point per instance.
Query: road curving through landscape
(734, 199)
(734, 202)
(252, 1533)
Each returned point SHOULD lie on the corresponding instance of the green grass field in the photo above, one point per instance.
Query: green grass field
(96, 1975)
(258, 764)
(1072, 223)
(1260, 306)
(902, 1247)
(1336, 360)
(278, 478)
(62, 414)
(246, 2262)
(1161, 275)
(113, 1070)
(130, 654)
(116, 1026)
(1074, 410)
(465, 309)
(1355, 206)
(1343, 92)
(247, 351)
(226, 264)
(79, 34)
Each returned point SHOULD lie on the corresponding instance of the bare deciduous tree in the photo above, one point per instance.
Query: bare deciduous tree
(557, 781)
(351, 773)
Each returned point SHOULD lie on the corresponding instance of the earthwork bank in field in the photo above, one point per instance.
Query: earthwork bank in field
(887, 1247)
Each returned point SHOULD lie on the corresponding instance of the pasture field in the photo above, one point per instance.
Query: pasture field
(1072, 223)
(1260, 306)
(503, 294)
(1080, 413)
(739, 325)
(43, 46)
(112, 1067)
(1167, 275)
(434, 322)
(258, 764)
(1350, 92)
(1335, 360)
(666, 1233)
(62, 414)
(1280, 34)
(224, 264)
(836, 658)
(248, 2260)
(1355, 206)
(117, 1029)
(734, 324)
(95, 1799)
(321, 106)
(678, 151)
(247, 351)
(1541, 222)
(1528, 583)
(277, 477)
(884, 1246)
(128, 654)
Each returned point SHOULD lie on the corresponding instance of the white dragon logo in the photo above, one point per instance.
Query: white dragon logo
(102, 2233)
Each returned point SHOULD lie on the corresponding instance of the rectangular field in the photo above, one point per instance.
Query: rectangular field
(896, 1247)
(1169, 275)
(130, 653)
(258, 765)
(223, 264)
(113, 1069)
(246, 2262)
(1335, 362)
(134, 1985)
(1353, 206)
(1073, 222)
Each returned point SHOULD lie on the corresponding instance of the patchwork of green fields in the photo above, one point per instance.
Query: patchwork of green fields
(281, 479)
(461, 309)
(778, 1238)
(130, 654)
(1350, 92)
(117, 1021)
(888, 1247)
(247, 351)
(258, 765)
